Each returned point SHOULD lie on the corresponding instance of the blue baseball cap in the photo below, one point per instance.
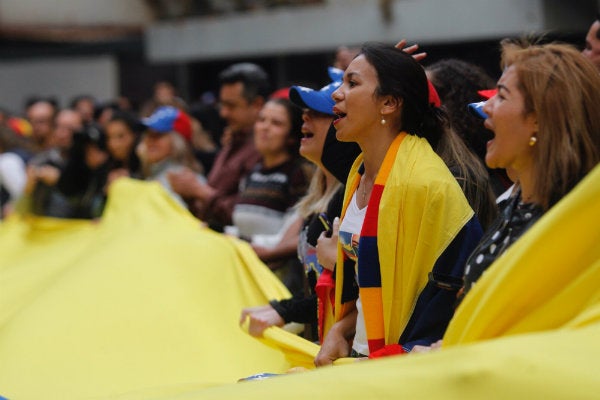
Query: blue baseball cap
(335, 74)
(168, 119)
(316, 100)
(476, 109)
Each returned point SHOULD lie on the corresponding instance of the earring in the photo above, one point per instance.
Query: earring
(532, 141)
(383, 121)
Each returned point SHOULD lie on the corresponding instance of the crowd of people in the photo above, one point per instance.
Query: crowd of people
(398, 294)
(373, 198)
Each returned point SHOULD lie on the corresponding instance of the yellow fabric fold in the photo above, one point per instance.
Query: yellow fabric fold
(103, 328)
(298, 351)
(528, 329)
(544, 279)
(549, 365)
(146, 298)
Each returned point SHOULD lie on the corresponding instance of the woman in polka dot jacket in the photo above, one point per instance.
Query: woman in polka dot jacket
(546, 124)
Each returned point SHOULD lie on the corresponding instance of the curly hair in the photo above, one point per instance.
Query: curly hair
(457, 83)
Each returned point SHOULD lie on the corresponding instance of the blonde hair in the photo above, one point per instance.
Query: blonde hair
(317, 196)
(562, 88)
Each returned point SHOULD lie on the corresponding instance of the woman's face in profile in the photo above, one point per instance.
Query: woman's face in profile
(509, 148)
(358, 110)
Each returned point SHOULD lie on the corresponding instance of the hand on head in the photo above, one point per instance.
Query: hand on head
(411, 50)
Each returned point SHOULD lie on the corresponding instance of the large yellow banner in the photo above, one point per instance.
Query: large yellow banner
(145, 305)
(145, 300)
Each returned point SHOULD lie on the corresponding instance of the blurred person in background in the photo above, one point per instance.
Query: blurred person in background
(66, 123)
(123, 133)
(163, 94)
(207, 138)
(165, 148)
(40, 112)
(44, 169)
(267, 195)
(85, 105)
(104, 110)
(279, 179)
(344, 56)
(244, 88)
(83, 179)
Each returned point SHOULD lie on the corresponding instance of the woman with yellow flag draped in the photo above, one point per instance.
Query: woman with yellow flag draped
(404, 216)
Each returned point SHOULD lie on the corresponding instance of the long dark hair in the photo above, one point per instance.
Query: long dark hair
(457, 83)
(401, 77)
(133, 163)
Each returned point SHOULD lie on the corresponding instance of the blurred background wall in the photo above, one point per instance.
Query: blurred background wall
(112, 47)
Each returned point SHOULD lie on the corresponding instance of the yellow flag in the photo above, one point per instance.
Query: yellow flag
(145, 300)
(529, 329)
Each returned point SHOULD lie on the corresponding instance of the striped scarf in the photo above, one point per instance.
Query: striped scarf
(416, 208)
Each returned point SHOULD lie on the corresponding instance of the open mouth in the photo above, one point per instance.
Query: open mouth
(340, 115)
(307, 135)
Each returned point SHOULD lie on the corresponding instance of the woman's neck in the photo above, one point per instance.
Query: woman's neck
(374, 152)
(527, 181)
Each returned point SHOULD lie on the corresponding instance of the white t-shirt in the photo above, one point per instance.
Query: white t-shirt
(349, 234)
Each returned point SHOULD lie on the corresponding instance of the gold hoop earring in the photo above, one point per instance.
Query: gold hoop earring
(532, 141)
(383, 121)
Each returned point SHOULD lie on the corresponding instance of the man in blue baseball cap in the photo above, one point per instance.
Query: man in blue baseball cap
(244, 88)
